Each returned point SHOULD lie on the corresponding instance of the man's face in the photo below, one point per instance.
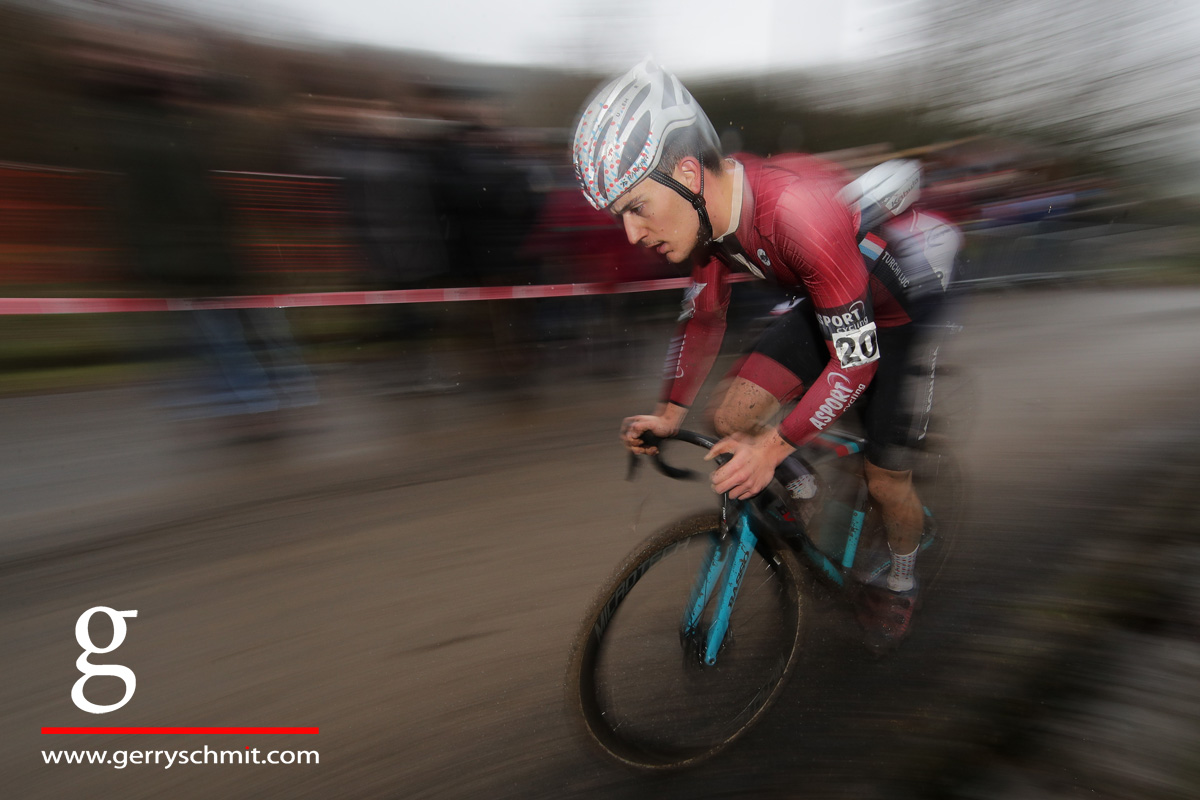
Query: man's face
(658, 218)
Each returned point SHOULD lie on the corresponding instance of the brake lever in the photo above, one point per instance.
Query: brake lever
(631, 472)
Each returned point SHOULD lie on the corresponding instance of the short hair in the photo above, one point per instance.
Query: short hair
(688, 142)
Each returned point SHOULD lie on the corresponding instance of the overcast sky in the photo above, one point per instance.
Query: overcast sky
(687, 36)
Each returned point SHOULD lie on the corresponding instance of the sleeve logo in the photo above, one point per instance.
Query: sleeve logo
(840, 396)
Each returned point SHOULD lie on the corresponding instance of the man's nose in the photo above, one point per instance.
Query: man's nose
(633, 231)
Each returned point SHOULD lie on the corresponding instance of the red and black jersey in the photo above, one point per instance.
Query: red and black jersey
(792, 230)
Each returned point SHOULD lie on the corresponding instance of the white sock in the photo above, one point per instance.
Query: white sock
(900, 576)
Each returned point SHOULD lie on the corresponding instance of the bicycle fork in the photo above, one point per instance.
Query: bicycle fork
(732, 548)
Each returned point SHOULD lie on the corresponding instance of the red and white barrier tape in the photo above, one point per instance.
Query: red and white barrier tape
(107, 305)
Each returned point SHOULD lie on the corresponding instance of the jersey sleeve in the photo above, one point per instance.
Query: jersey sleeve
(818, 236)
(697, 342)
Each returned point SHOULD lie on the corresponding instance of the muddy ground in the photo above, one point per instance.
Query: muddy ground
(406, 571)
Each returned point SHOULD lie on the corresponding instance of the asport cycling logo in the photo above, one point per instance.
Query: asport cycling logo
(840, 395)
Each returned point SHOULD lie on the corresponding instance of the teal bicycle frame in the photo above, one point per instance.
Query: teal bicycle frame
(724, 566)
(735, 549)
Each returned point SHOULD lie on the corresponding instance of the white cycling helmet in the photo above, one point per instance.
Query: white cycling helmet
(624, 128)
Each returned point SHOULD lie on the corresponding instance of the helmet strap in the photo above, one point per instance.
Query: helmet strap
(697, 200)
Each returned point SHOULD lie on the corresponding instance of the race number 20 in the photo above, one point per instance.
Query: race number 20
(90, 670)
(856, 347)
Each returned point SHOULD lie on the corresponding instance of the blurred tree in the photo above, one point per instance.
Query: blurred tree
(1120, 78)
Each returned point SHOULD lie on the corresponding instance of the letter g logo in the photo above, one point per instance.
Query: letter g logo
(89, 670)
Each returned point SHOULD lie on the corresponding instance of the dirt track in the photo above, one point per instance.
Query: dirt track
(406, 572)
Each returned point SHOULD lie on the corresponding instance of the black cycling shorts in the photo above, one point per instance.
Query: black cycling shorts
(791, 354)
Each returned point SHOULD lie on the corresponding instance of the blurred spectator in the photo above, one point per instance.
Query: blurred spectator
(146, 104)
(489, 205)
(391, 188)
(574, 243)
(384, 161)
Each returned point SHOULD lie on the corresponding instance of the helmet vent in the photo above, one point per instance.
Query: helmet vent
(669, 100)
(635, 143)
(634, 105)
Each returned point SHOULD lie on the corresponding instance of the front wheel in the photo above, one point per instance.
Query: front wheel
(636, 679)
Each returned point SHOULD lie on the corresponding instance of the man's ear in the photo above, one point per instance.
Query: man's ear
(687, 172)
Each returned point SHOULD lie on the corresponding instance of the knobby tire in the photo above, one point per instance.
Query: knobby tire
(638, 687)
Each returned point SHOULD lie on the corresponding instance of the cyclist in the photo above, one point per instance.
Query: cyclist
(645, 152)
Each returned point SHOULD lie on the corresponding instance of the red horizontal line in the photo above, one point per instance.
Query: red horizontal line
(173, 731)
(99, 305)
